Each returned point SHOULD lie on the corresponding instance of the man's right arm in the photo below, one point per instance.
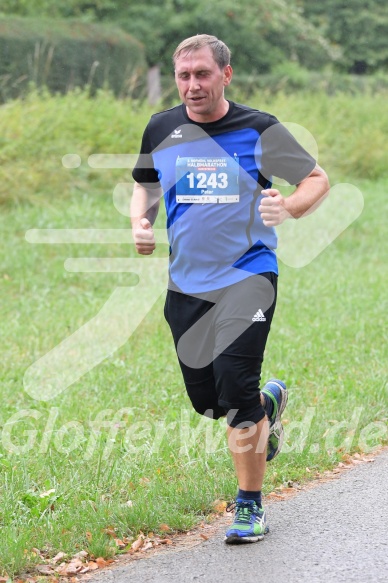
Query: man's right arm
(144, 210)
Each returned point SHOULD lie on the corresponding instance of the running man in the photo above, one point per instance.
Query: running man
(214, 161)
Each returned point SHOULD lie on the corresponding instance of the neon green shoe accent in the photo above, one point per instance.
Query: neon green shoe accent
(250, 522)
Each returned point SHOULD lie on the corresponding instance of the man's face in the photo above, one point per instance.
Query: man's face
(201, 84)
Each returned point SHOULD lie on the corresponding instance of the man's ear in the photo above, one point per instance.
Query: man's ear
(228, 73)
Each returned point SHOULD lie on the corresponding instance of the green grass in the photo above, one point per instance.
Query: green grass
(37, 132)
(328, 342)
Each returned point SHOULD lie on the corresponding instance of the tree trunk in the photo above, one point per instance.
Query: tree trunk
(154, 90)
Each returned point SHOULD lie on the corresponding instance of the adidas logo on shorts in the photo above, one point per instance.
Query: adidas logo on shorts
(259, 317)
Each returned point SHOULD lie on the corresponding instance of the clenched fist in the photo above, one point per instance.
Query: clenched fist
(143, 236)
(272, 208)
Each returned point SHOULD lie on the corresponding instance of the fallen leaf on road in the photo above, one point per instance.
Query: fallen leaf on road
(81, 555)
(72, 568)
(219, 506)
(36, 551)
(92, 565)
(138, 543)
(58, 557)
(45, 569)
(110, 531)
(346, 458)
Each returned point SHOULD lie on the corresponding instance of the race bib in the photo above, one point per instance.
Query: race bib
(207, 180)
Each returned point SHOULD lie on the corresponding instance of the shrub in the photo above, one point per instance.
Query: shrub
(66, 54)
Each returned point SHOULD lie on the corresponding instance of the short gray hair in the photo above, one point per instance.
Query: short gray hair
(221, 53)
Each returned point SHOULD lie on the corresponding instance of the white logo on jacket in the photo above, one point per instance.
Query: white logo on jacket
(177, 134)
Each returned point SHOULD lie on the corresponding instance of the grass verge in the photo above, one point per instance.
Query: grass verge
(121, 447)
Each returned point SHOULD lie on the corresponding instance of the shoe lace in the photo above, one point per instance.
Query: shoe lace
(243, 510)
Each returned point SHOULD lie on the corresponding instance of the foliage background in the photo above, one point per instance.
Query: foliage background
(353, 37)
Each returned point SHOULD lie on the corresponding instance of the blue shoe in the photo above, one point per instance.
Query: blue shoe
(277, 391)
(250, 522)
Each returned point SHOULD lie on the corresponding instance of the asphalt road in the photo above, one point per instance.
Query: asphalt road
(336, 531)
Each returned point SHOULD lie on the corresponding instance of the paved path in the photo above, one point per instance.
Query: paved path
(336, 531)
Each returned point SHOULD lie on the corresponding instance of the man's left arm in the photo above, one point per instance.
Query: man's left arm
(275, 208)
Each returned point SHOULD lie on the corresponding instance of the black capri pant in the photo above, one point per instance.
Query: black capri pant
(220, 338)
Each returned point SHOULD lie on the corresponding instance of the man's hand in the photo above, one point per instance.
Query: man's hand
(272, 208)
(144, 238)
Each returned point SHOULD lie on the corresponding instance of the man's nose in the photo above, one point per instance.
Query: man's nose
(194, 83)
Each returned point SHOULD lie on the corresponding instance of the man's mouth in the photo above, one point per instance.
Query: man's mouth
(196, 99)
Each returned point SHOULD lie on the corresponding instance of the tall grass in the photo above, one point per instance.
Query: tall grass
(38, 131)
(35, 133)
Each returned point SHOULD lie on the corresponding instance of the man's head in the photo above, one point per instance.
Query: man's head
(221, 53)
(202, 71)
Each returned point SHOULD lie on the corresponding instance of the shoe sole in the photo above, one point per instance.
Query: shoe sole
(234, 539)
(280, 431)
(277, 424)
(283, 401)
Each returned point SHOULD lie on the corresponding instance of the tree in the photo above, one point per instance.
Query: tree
(360, 27)
(260, 34)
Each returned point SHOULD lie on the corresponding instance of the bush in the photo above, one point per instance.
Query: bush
(35, 133)
(291, 78)
(66, 54)
(350, 130)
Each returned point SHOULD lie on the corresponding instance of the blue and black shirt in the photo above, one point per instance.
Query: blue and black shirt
(212, 175)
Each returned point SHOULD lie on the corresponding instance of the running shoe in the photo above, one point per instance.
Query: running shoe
(277, 391)
(250, 522)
